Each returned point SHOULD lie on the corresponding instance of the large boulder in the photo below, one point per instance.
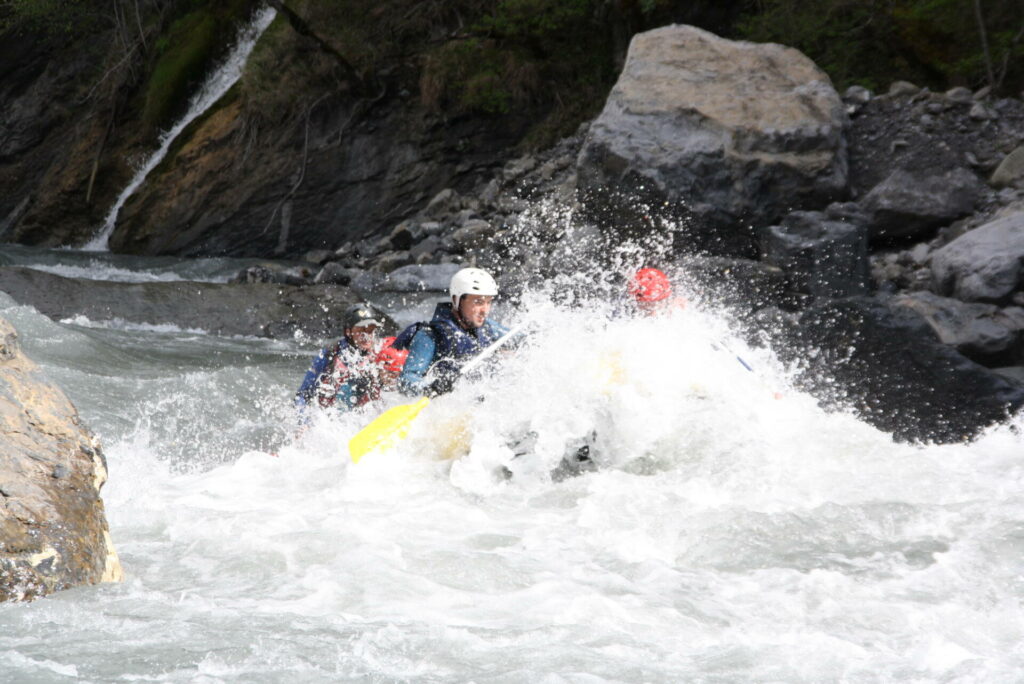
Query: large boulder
(1010, 171)
(983, 265)
(53, 530)
(911, 204)
(888, 365)
(982, 332)
(716, 134)
(261, 309)
(824, 257)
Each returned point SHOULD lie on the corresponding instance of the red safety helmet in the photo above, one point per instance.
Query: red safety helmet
(650, 285)
(391, 359)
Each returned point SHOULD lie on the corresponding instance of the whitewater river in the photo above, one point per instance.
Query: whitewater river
(727, 536)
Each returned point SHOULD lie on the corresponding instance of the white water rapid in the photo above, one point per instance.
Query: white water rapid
(726, 536)
(215, 85)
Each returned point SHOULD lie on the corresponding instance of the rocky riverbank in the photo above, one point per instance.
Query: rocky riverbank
(813, 218)
(53, 530)
(844, 224)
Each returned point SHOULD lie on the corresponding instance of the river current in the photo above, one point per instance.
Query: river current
(726, 535)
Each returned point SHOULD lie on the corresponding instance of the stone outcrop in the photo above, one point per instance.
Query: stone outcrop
(911, 204)
(983, 333)
(261, 309)
(53, 530)
(888, 365)
(713, 132)
(983, 265)
(824, 257)
(1010, 171)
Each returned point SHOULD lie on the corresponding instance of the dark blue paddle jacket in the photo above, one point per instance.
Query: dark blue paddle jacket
(441, 347)
(326, 382)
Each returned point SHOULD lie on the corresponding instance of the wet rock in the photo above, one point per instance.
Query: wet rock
(389, 261)
(911, 204)
(903, 89)
(53, 529)
(982, 332)
(401, 237)
(474, 233)
(983, 265)
(857, 95)
(260, 309)
(742, 285)
(427, 246)
(367, 281)
(821, 257)
(889, 366)
(1014, 374)
(420, 278)
(1010, 171)
(273, 274)
(979, 112)
(334, 273)
(714, 133)
(959, 95)
(443, 203)
(318, 256)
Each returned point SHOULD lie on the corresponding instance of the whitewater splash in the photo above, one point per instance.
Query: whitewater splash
(216, 84)
(726, 535)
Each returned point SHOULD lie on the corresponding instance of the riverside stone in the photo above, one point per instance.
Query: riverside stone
(983, 264)
(1010, 171)
(982, 332)
(53, 529)
(261, 309)
(910, 204)
(822, 257)
(889, 366)
(713, 134)
(420, 278)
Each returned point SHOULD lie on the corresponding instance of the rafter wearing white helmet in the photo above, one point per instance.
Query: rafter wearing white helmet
(471, 281)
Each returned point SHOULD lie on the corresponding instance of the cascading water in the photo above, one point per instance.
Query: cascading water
(215, 85)
(725, 536)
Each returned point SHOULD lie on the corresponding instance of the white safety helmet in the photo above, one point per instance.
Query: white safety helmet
(475, 281)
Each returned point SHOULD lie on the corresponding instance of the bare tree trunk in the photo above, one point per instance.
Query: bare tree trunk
(138, 22)
(984, 43)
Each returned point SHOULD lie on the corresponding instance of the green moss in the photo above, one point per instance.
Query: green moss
(190, 46)
(185, 51)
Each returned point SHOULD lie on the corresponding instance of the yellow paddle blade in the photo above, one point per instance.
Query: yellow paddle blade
(385, 430)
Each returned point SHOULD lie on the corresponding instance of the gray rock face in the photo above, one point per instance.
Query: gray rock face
(428, 277)
(739, 284)
(261, 309)
(982, 332)
(1010, 171)
(888, 365)
(823, 257)
(719, 130)
(983, 265)
(910, 204)
(53, 530)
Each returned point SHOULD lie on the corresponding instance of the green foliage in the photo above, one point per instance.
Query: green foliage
(534, 20)
(873, 42)
(185, 51)
(55, 18)
(524, 54)
(185, 55)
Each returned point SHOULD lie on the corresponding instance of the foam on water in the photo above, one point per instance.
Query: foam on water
(726, 535)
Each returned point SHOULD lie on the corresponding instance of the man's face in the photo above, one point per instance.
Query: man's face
(473, 309)
(363, 337)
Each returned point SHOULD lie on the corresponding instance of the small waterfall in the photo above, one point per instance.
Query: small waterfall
(215, 85)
